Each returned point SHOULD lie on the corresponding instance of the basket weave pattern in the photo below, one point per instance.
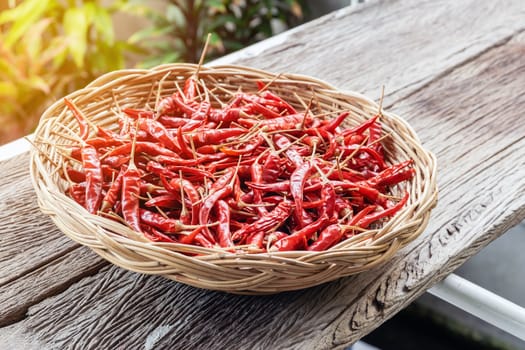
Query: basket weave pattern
(217, 269)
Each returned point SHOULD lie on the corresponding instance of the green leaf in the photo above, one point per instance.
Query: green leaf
(56, 52)
(174, 15)
(149, 33)
(216, 6)
(33, 40)
(104, 25)
(75, 27)
(38, 83)
(7, 89)
(23, 17)
(156, 60)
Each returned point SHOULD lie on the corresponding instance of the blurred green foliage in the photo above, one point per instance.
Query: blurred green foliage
(48, 49)
(179, 31)
(51, 48)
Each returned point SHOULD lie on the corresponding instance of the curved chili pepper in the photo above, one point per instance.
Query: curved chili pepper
(158, 221)
(360, 128)
(223, 228)
(130, 197)
(159, 132)
(207, 205)
(256, 171)
(271, 96)
(214, 136)
(355, 149)
(154, 235)
(138, 113)
(190, 88)
(94, 178)
(267, 223)
(257, 108)
(80, 117)
(112, 193)
(328, 197)
(334, 123)
(103, 142)
(297, 240)
(367, 220)
(378, 180)
(291, 121)
(297, 181)
(282, 142)
(328, 237)
(180, 122)
(169, 200)
(374, 133)
(149, 148)
(176, 184)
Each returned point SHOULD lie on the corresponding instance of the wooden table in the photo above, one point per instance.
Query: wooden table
(454, 69)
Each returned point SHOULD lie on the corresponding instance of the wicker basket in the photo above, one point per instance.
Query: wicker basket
(216, 269)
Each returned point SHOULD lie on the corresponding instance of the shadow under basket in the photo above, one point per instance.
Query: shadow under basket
(218, 269)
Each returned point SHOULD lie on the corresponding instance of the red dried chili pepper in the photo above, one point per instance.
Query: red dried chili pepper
(159, 132)
(265, 224)
(94, 178)
(80, 117)
(334, 123)
(292, 121)
(297, 240)
(111, 196)
(214, 136)
(223, 228)
(297, 181)
(158, 221)
(176, 184)
(148, 148)
(367, 220)
(328, 237)
(130, 197)
(282, 142)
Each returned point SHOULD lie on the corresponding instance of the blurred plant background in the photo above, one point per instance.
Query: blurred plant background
(51, 48)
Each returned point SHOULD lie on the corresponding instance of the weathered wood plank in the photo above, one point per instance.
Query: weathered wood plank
(403, 45)
(471, 118)
(26, 232)
(45, 281)
(32, 250)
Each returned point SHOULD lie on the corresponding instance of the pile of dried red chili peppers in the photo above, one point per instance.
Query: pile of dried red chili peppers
(254, 174)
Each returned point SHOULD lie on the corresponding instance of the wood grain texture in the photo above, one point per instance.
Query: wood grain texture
(32, 250)
(462, 92)
(25, 230)
(403, 45)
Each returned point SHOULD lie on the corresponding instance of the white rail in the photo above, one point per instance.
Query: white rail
(482, 303)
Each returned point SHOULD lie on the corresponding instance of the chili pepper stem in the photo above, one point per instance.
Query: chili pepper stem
(203, 55)
(382, 96)
(273, 80)
(157, 95)
(161, 212)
